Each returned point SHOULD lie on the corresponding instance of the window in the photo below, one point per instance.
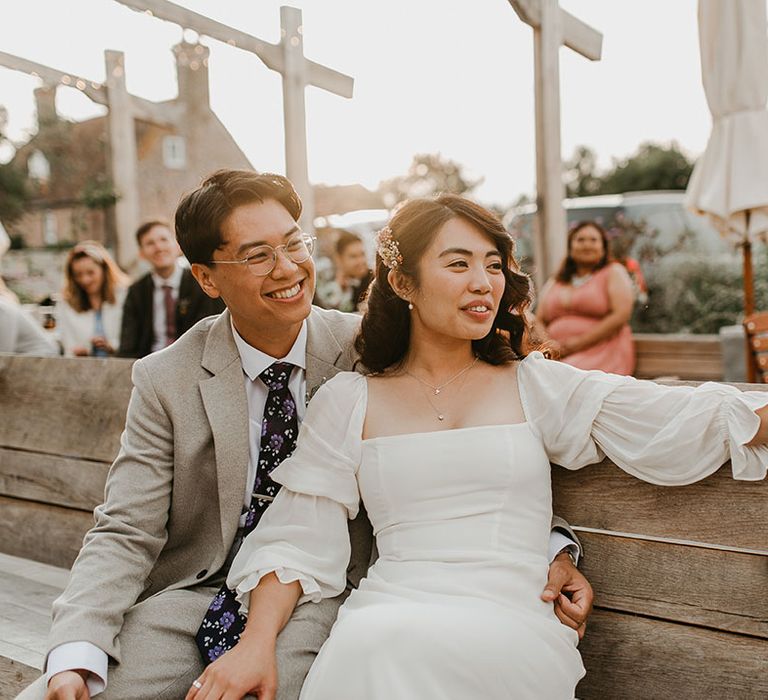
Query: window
(174, 152)
(38, 167)
(50, 228)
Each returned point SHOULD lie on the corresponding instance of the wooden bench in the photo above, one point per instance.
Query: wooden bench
(680, 355)
(680, 574)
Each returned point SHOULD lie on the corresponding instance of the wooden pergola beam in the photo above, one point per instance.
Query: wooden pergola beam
(270, 54)
(577, 35)
(161, 114)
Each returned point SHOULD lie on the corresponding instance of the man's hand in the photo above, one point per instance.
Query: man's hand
(563, 578)
(68, 685)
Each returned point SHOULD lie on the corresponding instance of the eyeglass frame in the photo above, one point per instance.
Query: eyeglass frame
(308, 238)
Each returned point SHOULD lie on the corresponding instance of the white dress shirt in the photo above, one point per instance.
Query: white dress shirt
(84, 655)
(159, 336)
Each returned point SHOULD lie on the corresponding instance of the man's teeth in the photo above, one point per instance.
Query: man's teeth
(480, 309)
(286, 293)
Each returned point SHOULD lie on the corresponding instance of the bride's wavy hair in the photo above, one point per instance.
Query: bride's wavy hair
(385, 331)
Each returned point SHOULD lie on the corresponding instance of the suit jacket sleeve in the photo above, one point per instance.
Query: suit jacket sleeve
(118, 553)
(129, 333)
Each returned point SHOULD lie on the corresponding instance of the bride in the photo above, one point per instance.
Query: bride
(448, 443)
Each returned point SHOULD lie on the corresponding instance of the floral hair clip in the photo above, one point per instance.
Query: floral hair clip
(387, 248)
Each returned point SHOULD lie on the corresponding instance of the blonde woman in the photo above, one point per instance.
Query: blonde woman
(91, 311)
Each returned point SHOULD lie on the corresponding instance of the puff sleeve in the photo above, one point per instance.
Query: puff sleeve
(666, 435)
(303, 535)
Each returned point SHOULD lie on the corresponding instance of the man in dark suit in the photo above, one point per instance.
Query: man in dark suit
(165, 302)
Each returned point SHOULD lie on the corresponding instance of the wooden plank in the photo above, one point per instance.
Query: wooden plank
(683, 368)
(631, 657)
(35, 571)
(718, 510)
(14, 676)
(50, 534)
(73, 483)
(71, 407)
(681, 583)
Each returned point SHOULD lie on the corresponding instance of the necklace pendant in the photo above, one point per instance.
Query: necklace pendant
(440, 417)
(437, 391)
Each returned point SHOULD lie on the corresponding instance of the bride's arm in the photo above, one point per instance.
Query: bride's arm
(761, 436)
(251, 667)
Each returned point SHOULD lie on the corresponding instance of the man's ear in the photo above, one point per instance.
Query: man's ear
(401, 284)
(202, 273)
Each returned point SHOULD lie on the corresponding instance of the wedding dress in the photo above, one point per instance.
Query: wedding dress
(452, 608)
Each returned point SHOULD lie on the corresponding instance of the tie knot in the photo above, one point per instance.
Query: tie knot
(276, 376)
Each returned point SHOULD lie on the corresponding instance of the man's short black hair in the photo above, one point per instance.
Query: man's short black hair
(202, 212)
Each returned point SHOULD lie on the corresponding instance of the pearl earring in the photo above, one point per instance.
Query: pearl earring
(410, 306)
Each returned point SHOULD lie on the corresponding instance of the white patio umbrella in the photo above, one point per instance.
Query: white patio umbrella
(730, 180)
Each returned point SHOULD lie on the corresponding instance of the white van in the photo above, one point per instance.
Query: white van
(668, 225)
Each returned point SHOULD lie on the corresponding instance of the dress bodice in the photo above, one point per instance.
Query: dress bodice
(466, 494)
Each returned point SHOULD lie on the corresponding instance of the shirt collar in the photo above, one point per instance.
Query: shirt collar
(174, 281)
(254, 361)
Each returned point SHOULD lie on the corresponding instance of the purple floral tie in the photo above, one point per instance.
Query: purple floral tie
(223, 623)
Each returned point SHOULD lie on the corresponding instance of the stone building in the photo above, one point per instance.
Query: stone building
(68, 168)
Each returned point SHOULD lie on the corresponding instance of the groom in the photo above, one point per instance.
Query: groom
(178, 495)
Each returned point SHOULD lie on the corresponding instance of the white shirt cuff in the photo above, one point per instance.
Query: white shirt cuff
(559, 542)
(77, 655)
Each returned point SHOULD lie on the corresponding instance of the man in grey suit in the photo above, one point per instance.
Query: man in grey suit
(178, 494)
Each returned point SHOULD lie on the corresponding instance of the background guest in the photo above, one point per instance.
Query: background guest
(586, 307)
(346, 290)
(165, 302)
(19, 334)
(90, 314)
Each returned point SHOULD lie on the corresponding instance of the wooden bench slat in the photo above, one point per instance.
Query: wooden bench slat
(45, 533)
(717, 510)
(655, 579)
(64, 481)
(14, 675)
(636, 658)
(94, 394)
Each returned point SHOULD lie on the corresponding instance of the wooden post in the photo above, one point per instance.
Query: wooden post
(294, 112)
(749, 301)
(552, 27)
(550, 240)
(123, 159)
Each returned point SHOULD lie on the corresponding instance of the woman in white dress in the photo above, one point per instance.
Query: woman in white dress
(91, 311)
(448, 444)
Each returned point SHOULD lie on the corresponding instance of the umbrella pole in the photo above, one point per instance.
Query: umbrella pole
(749, 301)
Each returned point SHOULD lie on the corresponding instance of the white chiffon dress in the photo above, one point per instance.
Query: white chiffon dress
(451, 608)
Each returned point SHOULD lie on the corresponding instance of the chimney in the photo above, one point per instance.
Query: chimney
(45, 98)
(192, 74)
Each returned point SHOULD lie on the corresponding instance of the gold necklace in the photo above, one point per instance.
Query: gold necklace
(439, 388)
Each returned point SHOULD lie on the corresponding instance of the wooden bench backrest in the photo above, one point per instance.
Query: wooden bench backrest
(59, 433)
(680, 574)
(685, 356)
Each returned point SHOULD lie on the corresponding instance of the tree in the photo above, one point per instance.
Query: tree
(14, 195)
(429, 174)
(651, 167)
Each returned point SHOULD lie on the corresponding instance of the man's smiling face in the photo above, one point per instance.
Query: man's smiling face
(275, 303)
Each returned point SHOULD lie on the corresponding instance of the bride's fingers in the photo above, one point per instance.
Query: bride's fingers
(194, 690)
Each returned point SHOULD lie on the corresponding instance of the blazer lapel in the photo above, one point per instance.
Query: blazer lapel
(323, 352)
(226, 406)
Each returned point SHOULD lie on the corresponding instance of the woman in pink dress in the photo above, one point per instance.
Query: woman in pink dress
(586, 307)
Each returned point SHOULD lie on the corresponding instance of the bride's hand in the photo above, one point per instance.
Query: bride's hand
(250, 668)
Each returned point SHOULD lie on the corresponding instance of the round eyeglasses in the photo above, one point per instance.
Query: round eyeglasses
(262, 259)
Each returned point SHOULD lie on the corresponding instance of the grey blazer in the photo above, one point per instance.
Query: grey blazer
(174, 493)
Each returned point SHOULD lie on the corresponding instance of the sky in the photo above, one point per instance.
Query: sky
(430, 76)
